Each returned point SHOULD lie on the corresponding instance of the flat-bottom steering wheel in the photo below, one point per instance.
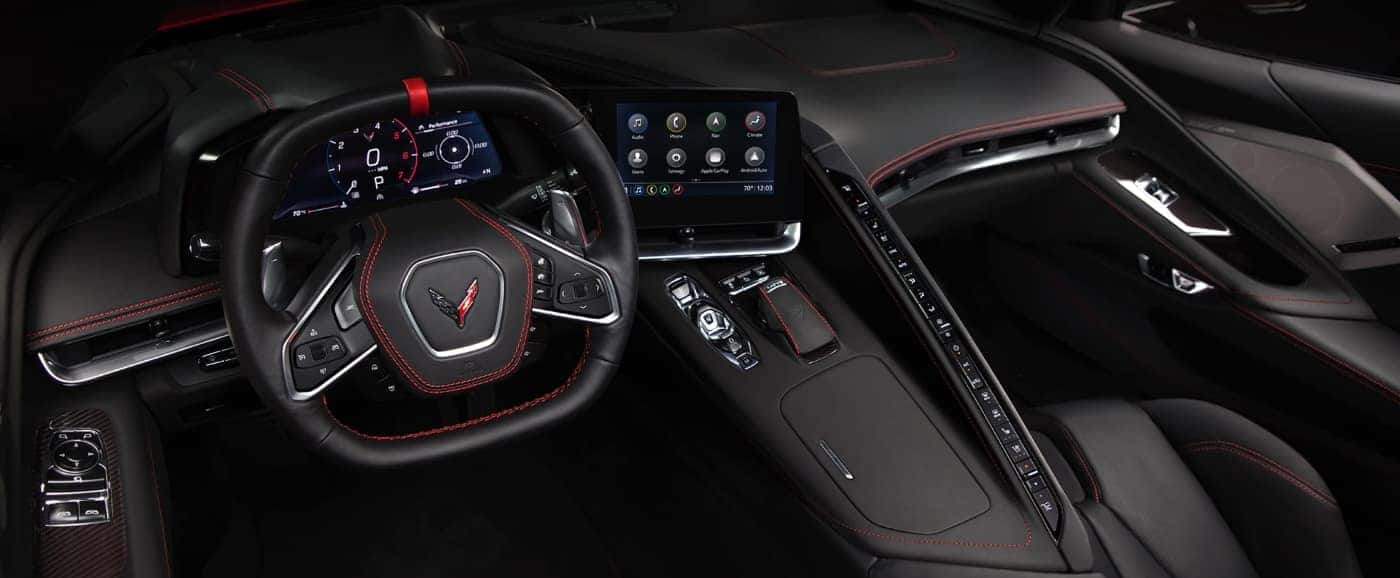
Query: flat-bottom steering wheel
(443, 291)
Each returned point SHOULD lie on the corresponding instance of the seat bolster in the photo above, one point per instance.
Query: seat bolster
(1277, 504)
(1128, 466)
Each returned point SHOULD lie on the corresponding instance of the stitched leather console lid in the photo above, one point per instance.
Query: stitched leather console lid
(857, 419)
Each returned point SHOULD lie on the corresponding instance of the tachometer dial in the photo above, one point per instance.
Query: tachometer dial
(372, 159)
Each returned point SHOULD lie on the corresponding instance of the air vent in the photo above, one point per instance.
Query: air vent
(99, 356)
(950, 162)
(718, 241)
(1368, 245)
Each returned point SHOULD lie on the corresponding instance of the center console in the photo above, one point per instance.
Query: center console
(840, 355)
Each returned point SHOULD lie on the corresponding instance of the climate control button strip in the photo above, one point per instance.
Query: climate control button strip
(985, 399)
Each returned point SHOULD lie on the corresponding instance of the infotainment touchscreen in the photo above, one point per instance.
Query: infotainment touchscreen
(697, 157)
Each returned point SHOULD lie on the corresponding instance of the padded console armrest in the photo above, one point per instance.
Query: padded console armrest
(786, 309)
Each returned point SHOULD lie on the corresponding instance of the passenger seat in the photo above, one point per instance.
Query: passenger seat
(1183, 488)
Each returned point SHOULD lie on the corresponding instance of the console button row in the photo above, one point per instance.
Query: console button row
(746, 279)
(920, 290)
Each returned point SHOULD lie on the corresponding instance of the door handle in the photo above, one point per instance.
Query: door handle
(1171, 277)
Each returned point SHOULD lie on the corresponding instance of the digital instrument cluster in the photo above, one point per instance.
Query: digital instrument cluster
(389, 160)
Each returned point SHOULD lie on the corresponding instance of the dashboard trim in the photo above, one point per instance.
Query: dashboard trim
(784, 243)
(132, 357)
(938, 174)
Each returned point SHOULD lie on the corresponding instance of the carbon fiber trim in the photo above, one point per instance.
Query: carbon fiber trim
(97, 551)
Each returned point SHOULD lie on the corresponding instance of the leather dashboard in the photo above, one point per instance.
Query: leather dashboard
(865, 79)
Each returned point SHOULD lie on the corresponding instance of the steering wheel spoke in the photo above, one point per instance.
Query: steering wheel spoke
(566, 284)
(329, 337)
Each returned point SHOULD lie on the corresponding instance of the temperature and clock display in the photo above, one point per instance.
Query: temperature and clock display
(389, 160)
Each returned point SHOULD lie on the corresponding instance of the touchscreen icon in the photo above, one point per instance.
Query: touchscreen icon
(716, 121)
(637, 123)
(714, 157)
(637, 158)
(755, 121)
(753, 156)
(675, 122)
(675, 158)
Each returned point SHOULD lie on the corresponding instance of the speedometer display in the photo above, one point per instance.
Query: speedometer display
(370, 158)
(389, 160)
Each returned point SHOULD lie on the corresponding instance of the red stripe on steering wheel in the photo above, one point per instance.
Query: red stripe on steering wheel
(417, 95)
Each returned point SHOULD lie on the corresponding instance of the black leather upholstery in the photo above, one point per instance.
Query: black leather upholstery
(257, 329)
(859, 77)
(1186, 488)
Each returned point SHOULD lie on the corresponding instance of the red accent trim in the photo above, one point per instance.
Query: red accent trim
(1083, 463)
(1318, 353)
(463, 70)
(95, 320)
(466, 305)
(987, 130)
(1262, 461)
(191, 17)
(950, 56)
(160, 508)
(1199, 270)
(252, 90)
(578, 370)
(844, 216)
(417, 95)
(800, 293)
(415, 379)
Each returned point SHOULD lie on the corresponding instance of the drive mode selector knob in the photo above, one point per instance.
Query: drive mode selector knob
(713, 323)
(76, 456)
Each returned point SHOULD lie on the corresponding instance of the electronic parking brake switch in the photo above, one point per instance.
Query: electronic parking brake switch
(787, 310)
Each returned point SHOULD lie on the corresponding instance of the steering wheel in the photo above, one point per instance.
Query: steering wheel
(443, 290)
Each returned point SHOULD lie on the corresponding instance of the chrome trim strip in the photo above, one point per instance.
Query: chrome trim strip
(791, 236)
(836, 460)
(557, 249)
(1138, 188)
(303, 396)
(413, 321)
(943, 172)
(131, 357)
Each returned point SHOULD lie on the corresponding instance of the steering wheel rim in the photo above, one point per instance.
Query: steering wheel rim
(260, 333)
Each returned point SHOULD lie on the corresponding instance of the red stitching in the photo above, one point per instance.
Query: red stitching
(257, 100)
(803, 295)
(928, 350)
(783, 322)
(578, 370)
(160, 508)
(124, 308)
(1367, 379)
(1199, 269)
(900, 161)
(950, 56)
(911, 540)
(82, 328)
(462, 69)
(266, 100)
(1378, 166)
(416, 379)
(1262, 461)
(1083, 463)
(787, 331)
